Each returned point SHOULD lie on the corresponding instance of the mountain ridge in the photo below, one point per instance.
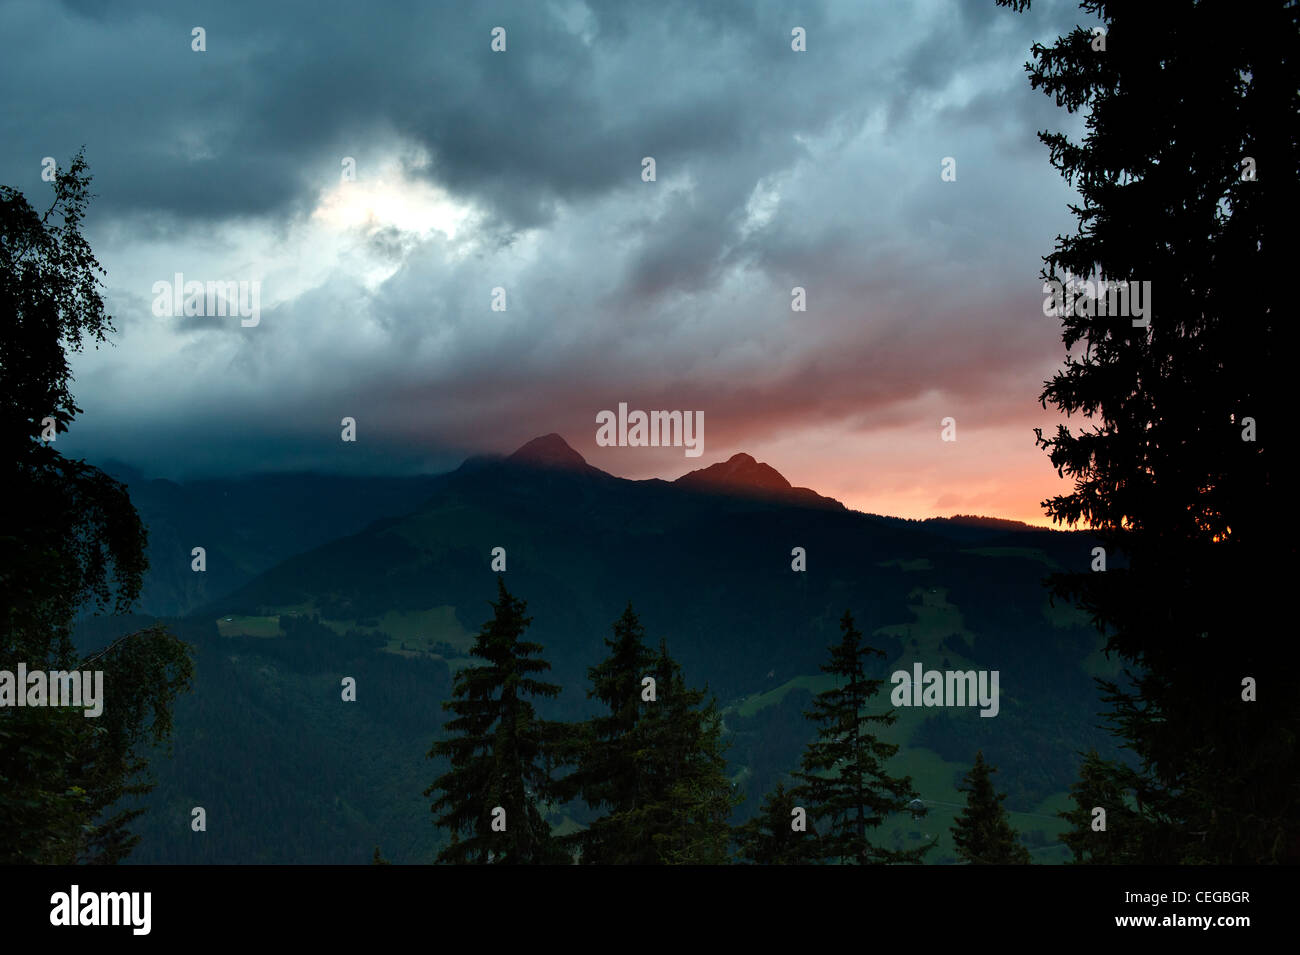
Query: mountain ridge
(747, 590)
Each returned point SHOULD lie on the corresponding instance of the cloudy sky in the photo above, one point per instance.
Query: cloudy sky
(522, 170)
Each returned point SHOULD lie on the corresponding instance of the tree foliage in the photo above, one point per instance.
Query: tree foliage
(607, 774)
(982, 833)
(70, 540)
(1188, 176)
(769, 838)
(1105, 786)
(688, 797)
(498, 749)
(651, 765)
(844, 779)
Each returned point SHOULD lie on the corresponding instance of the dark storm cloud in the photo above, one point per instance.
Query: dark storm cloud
(775, 169)
(284, 90)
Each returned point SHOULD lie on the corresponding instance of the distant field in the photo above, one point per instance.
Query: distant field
(420, 628)
(1028, 553)
(1063, 615)
(935, 621)
(411, 633)
(911, 566)
(752, 704)
(249, 626)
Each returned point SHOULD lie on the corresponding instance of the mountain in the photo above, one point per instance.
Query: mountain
(708, 563)
(248, 525)
(551, 451)
(742, 475)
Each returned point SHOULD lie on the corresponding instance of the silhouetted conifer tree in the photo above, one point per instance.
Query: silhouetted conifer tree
(1101, 785)
(844, 780)
(1188, 176)
(687, 796)
(607, 775)
(982, 833)
(770, 839)
(498, 749)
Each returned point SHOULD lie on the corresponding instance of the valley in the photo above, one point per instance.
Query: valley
(396, 603)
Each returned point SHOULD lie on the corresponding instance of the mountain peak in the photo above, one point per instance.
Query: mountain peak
(550, 451)
(740, 475)
(740, 472)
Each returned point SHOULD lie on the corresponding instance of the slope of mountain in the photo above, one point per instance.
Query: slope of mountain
(743, 476)
(551, 451)
(248, 525)
(707, 561)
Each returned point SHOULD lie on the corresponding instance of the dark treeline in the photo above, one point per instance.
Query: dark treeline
(650, 766)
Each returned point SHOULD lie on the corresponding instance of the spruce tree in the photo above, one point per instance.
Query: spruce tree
(702, 795)
(687, 798)
(498, 749)
(1102, 785)
(1189, 175)
(844, 780)
(608, 775)
(770, 838)
(982, 832)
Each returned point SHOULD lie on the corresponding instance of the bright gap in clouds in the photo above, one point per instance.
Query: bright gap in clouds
(389, 201)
